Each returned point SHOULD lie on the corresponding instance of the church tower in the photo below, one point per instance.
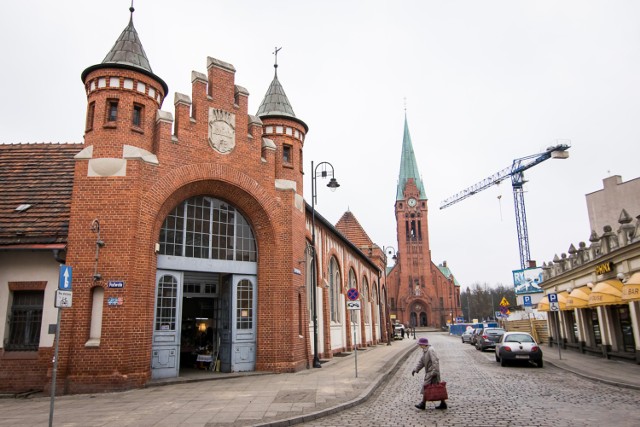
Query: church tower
(420, 293)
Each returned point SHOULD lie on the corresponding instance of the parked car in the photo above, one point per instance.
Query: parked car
(399, 331)
(488, 338)
(518, 346)
(466, 335)
(474, 336)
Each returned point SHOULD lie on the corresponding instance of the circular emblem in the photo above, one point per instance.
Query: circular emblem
(411, 202)
(353, 294)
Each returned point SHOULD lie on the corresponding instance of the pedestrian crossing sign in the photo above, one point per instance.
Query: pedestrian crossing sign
(504, 302)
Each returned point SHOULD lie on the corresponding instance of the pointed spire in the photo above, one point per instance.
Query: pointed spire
(127, 52)
(128, 48)
(408, 165)
(275, 102)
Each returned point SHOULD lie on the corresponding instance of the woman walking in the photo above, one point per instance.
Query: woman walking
(429, 361)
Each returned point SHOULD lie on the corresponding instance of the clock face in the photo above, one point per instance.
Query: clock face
(411, 202)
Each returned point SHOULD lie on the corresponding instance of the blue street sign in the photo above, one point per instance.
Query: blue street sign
(527, 300)
(353, 294)
(552, 297)
(64, 281)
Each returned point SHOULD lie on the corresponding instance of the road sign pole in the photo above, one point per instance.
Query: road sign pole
(355, 345)
(558, 333)
(55, 370)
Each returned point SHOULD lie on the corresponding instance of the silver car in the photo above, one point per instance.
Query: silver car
(466, 336)
(518, 347)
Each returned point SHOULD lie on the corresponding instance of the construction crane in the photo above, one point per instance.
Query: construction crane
(516, 172)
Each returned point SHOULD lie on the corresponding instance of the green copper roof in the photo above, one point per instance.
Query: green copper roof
(408, 166)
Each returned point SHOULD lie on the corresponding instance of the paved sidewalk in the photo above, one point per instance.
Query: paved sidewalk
(614, 372)
(267, 399)
(237, 400)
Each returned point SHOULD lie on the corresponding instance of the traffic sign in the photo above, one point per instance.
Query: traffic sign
(64, 281)
(353, 305)
(353, 294)
(527, 300)
(554, 306)
(552, 297)
(504, 302)
(63, 299)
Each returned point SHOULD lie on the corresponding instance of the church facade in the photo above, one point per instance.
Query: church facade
(185, 239)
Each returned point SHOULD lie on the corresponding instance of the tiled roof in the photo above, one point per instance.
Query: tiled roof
(39, 176)
(349, 226)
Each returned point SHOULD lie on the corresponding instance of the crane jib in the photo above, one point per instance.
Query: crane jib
(515, 171)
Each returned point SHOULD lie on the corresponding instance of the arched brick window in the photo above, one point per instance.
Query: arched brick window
(205, 227)
(335, 288)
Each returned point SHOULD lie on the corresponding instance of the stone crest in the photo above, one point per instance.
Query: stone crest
(222, 130)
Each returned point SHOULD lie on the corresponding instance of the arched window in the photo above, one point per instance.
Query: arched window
(204, 227)
(310, 270)
(364, 296)
(335, 288)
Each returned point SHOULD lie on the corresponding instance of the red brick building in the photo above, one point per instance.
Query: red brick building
(188, 236)
(420, 293)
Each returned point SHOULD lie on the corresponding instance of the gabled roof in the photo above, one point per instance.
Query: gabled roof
(349, 226)
(337, 234)
(38, 178)
(408, 166)
(276, 104)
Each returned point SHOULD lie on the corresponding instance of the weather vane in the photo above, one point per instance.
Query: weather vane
(275, 52)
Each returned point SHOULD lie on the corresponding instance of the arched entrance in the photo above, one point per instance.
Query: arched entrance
(206, 290)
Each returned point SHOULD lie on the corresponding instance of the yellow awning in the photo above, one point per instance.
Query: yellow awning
(579, 297)
(543, 305)
(562, 300)
(606, 293)
(631, 289)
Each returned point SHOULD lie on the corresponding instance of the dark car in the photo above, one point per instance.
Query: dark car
(474, 337)
(516, 347)
(488, 338)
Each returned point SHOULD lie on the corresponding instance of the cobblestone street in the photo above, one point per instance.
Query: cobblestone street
(482, 393)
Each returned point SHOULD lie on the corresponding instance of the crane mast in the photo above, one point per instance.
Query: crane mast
(516, 173)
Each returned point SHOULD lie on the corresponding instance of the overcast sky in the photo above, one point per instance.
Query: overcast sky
(485, 82)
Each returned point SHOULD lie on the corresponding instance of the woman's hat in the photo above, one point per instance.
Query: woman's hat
(423, 341)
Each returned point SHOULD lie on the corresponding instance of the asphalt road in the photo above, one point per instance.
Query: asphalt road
(482, 393)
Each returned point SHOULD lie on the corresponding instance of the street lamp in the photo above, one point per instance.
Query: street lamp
(333, 184)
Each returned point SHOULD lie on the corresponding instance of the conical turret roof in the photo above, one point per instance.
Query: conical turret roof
(128, 53)
(128, 50)
(276, 103)
(408, 166)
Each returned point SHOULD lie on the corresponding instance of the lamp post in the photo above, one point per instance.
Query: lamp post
(326, 171)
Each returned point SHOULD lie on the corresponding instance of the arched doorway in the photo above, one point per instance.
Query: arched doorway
(206, 290)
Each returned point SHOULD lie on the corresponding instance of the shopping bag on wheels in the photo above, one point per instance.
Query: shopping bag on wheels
(435, 392)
